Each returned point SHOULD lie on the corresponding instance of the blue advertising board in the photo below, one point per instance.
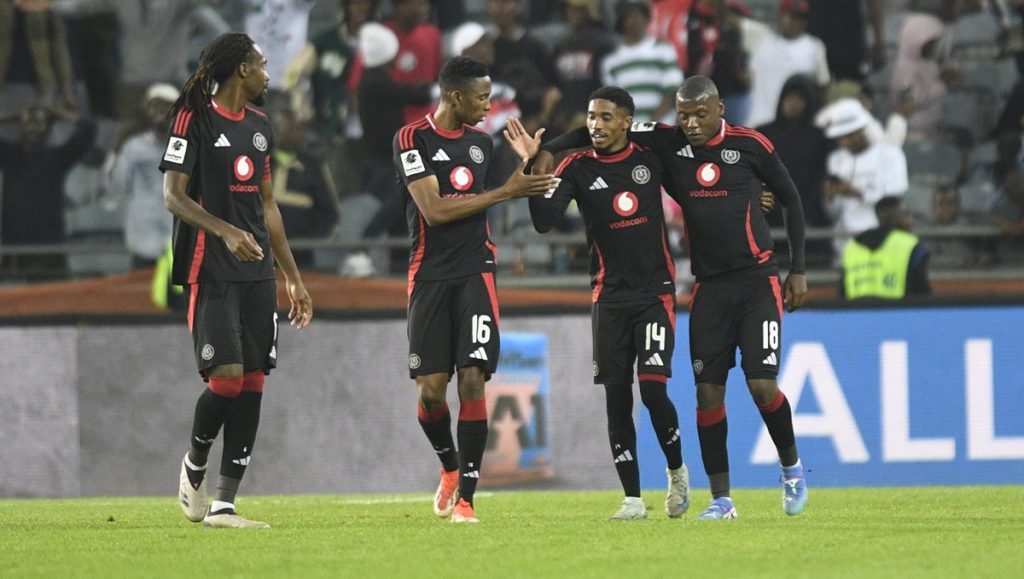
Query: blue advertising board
(929, 396)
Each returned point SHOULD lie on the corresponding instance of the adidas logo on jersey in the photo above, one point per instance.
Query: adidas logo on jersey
(771, 360)
(440, 155)
(654, 360)
(479, 354)
(599, 183)
(686, 151)
(222, 141)
(624, 457)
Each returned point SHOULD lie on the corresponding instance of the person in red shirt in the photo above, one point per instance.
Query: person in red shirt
(419, 50)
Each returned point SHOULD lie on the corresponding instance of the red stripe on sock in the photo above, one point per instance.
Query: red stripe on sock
(226, 387)
(470, 410)
(253, 381)
(431, 416)
(660, 378)
(710, 417)
(774, 404)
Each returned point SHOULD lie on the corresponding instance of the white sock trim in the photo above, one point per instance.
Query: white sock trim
(189, 464)
(220, 506)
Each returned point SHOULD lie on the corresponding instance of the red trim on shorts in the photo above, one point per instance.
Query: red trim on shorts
(193, 294)
(599, 285)
(417, 258)
(490, 245)
(710, 417)
(774, 404)
(432, 416)
(777, 290)
(253, 381)
(226, 387)
(660, 378)
(693, 295)
(669, 302)
(472, 410)
(492, 292)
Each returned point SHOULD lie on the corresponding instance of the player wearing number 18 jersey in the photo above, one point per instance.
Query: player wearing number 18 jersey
(617, 187)
(453, 304)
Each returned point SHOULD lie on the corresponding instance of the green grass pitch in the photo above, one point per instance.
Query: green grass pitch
(890, 532)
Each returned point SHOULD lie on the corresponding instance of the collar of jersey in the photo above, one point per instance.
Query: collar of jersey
(714, 141)
(444, 132)
(613, 158)
(226, 113)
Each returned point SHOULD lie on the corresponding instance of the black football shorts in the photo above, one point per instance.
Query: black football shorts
(636, 331)
(743, 311)
(234, 323)
(453, 324)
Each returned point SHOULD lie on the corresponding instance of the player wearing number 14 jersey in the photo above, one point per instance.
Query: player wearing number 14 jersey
(453, 304)
(617, 187)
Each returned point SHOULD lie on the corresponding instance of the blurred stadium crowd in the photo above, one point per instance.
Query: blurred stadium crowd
(864, 99)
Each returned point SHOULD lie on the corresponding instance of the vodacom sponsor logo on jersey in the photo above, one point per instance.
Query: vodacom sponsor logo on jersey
(626, 204)
(708, 175)
(244, 170)
(461, 178)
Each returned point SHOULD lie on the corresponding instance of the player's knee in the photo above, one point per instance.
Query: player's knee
(763, 391)
(431, 393)
(653, 393)
(471, 383)
(253, 381)
(710, 396)
(226, 387)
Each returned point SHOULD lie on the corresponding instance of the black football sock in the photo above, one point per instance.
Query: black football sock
(622, 436)
(712, 431)
(437, 426)
(778, 418)
(239, 436)
(664, 419)
(472, 433)
(211, 411)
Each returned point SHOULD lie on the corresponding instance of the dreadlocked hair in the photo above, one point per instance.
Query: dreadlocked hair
(218, 61)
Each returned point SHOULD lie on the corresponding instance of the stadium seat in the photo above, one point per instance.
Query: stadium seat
(933, 162)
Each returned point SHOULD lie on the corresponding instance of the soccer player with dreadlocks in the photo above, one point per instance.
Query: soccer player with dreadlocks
(227, 233)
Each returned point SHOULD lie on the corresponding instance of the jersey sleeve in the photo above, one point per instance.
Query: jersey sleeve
(646, 134)
(547, 210)
(182, 144)
(410, 160)
(775, 175)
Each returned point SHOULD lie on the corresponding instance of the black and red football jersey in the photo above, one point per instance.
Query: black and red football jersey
(227, 157)
(459, 159)
(619, 198)
(718, 186)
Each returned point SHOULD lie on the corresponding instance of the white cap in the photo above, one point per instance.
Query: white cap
(466, 35)
(846, 116)
(162, 91)
(377, 44)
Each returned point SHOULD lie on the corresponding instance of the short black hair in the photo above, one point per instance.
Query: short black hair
(619, 96)
(459, 71)
(886, 206)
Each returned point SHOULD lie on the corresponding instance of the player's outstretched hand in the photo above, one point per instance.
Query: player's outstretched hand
(522, 143)
(301, 311)
(519, 184)
(767, 201)
(243, 245)
(795, 291)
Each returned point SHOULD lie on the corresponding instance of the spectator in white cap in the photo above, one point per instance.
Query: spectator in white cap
(136, 180)
(860, 172)
(472, 39)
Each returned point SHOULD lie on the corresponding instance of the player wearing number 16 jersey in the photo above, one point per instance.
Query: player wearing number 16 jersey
(453, 304)
(617, 187)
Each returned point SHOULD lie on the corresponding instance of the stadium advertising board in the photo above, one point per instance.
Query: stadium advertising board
(518, 444)
(880, 397)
